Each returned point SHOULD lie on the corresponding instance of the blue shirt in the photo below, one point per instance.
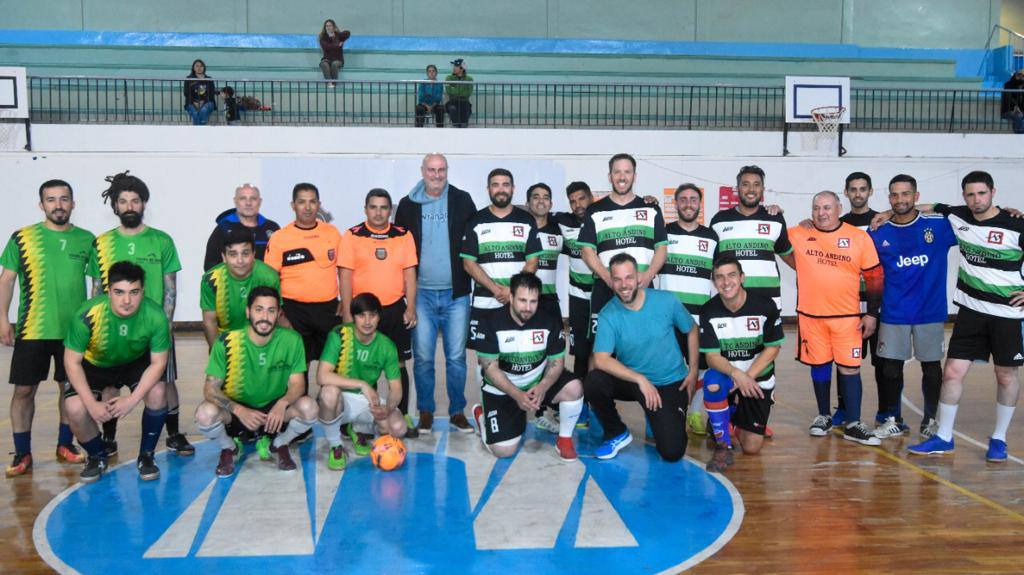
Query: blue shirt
(645, 340)
(436, 271)
(913, 257)
(430, 93)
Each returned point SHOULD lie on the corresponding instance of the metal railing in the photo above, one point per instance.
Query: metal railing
(83, 100)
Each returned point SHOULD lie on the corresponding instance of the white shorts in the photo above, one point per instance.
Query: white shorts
(357, 409)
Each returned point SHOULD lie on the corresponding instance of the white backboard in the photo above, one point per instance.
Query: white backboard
(13, 93)
(804, 93)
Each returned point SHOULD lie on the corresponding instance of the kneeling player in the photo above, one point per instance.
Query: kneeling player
(522, 354)
(117, 339)
(353, 358)
(741, 334)
(254, 381)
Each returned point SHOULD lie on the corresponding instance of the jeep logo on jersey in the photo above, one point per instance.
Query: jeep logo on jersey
(702, 245)
(323, 521)
(753, 324)
(995, 237)
(537, 336)
(906, 261)
(641, 215)
(764, 229)
(381, 253)
(843, 242)
(517, 231)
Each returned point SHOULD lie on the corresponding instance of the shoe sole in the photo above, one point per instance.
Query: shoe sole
(819, 432)
(182, 452)
(618, 448)
(462, 429)
(942, 452)
(89, 479)
(999, 460)
(867, 441)
(9, 473)
(563, 458)
(424, 430)
(149, 476)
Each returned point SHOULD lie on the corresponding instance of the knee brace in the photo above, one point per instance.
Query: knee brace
(714, 378)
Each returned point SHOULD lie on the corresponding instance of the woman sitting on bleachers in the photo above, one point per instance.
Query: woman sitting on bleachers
(200, 94)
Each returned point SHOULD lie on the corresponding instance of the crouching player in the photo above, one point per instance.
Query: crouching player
(353, 358)
(741, 334)
(254, 381)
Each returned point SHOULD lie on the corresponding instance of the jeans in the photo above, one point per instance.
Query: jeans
(330, 68)
(423, 111)
(201, 116)
(437, 311)
(459, 112)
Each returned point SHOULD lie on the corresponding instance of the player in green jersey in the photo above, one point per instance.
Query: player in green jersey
(224, 289)
(117, 340)
(153, 251)
(354, 357)
(255, 381)
(48, 260)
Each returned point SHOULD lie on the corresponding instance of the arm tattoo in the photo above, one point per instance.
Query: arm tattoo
(215, 393)
(170, 295)
(553, 366)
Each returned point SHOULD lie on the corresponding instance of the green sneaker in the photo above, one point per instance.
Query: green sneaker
(336, 458)
(360, 441)
(695, 424)
(263, 447)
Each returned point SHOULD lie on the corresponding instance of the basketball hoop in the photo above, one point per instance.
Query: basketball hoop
(11, 135)
(827, 119)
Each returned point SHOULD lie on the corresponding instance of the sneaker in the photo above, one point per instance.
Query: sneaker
(933, 445)
(566, 450)
(888, 428)
(228, 459)
(720, 460)
(839, 417)
(360, 441)
(820, 427)
(459, 422)
(929, 428)
(21, 465)
(426, 424)
(410, 430)
(695, 424)
(545, 423)
(263, 448)
(70, 454)
(178, 444)
(996, 450)
(284, 459)
(109, 448)
(148, 471)
(478, 417)
(860, 433)
(336, 458)
(611, 447)
(94, 469)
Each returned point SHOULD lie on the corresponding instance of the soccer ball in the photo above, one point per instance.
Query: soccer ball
(388, 453)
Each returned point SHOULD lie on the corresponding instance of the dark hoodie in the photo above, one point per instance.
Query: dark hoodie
(227, 221)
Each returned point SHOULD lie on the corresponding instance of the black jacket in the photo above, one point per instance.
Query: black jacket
(461, 208)
(227, 221)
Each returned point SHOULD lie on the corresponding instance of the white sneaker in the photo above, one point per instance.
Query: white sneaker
(821, 425)
(888, 428)
(544, 423)
(930, 429)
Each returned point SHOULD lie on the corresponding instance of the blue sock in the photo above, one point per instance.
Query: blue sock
(852, 391)
(22, 442)
(716, 403)
(152, 425)
(94, 447)
(64, 435)
(821, 377)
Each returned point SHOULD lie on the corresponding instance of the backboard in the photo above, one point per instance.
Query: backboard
(13, 93)
(805, 93)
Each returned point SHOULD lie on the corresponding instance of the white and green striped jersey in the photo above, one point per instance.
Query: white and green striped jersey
(687, 269)
(550, 238)
(523, 350)
(754, 240)
(635, 228)
(501, 246)
(741, 335)
(991, 253)
(581, 279)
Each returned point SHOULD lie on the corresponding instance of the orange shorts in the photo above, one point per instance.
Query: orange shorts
(821, 340)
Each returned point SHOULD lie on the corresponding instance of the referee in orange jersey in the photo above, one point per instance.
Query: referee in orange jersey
(380, 258)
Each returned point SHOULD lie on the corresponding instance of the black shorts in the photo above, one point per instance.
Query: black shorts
(392, 324)
(171, 371)
(118, 376)
(599, 297)
(236, 429)
(30, 362)
(504, 418)
(313, 321)
(751, 412)
(475, 315)
(976, 336)
(579, 321)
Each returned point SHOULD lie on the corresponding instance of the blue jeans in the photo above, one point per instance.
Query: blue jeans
(437, 311)
(201, 116)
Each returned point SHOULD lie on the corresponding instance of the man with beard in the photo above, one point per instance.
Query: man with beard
(224, 289)
(549, 234)
(245, 216)
(687, 274)
(153, 251)
(48, 261)
(254, 381)
(522, 353)
(636, 359)
(581, 279)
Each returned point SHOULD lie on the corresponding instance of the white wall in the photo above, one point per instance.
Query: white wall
(192, 172)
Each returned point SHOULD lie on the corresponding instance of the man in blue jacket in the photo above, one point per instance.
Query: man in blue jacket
(245, 215)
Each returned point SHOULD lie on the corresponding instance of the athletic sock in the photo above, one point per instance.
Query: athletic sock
(94, 447)
(403, 405)
(716, 403)
(218, 434)
(697, 402)
(64, 435)
(931, 386)
(296, 427)
(1004, 413)
(22, 442)
(332, 430)
(568, 413)
(110, 429)
(946, 417)
(152, 425)
(821, 378)
(852, 391)
(171, 422)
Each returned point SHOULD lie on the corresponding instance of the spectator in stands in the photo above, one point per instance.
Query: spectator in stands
(200, 94)
(332, 42)
(1013, 102)
(429, 99)
(246, 216)
(459, 108)
(232, 107)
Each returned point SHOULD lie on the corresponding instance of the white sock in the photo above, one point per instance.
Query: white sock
(216, 432)
(482, 426)
(697, 403)
(946, 416)
(296, 427)
(1004, 413)
(332, 430)
(568, 413)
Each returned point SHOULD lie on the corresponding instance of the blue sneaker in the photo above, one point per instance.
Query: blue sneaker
(932, 445)
(610, 448)
(839, 417)
(996, 450)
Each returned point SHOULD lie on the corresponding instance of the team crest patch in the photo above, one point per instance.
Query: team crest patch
(517, 231)
(537, 336)
(330, 254)
(844, 242)
(702, 245)
(552, 241)
(929, 236)
(995, 237)
(641, 215)
(753, 324)
(764, 229)
(381, 253)
(856, 353)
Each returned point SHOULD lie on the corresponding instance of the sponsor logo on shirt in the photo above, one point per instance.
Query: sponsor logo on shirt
(764, 229)
(510, 339)
(753, 324)
(702, 245)
(606, 219)
(885, 243)
(844, 242)
(537, 336)
(907, 261)
(995, 237)
(552, 241)
(720, 326)
(517, 231)
(641, 215)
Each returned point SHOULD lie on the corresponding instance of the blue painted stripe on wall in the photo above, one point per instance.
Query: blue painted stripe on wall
(967, 61)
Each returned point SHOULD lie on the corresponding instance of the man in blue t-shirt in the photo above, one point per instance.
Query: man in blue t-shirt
(638, 327)
(912, 248)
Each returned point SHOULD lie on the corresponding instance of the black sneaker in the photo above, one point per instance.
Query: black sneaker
(148, 471)
(180, 445)
(860, 433)
(94, 469)
(109, 448)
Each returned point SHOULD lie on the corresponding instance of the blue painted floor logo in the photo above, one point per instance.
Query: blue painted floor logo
(452, 506)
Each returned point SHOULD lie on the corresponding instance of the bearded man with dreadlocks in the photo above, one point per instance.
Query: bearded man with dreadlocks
(153, 251)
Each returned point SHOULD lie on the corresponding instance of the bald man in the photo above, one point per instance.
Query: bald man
(245, 216)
